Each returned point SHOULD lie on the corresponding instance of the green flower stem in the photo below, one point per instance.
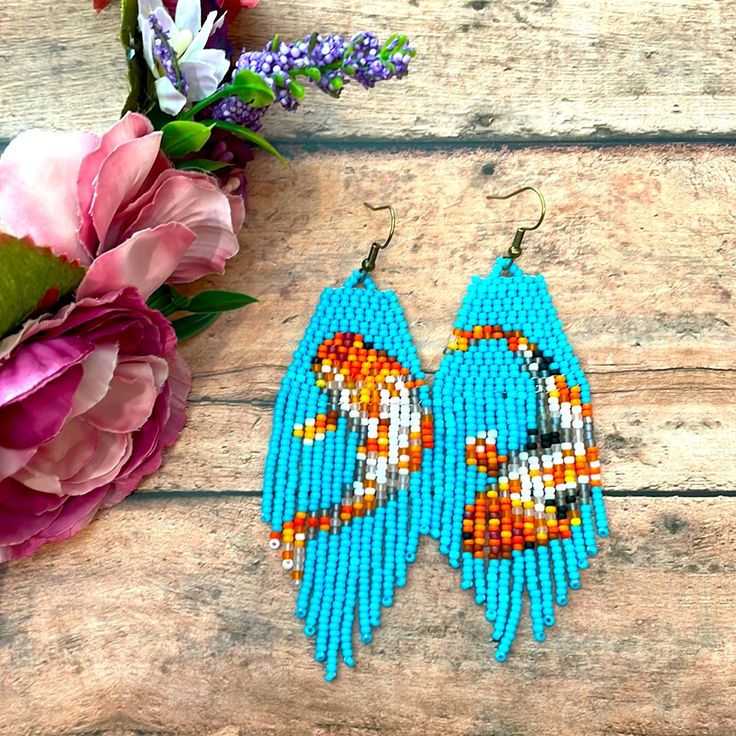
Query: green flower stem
(221, 94)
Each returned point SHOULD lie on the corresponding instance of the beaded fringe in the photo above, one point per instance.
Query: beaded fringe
(347, 482)
(517, 486)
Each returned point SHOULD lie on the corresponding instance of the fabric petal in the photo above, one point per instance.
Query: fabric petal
(189, 15)
(11, 461)
(40, 416)
(180, 383)
(120, 178)
(15, 498)
(98, 368)
(147, 35)
(161, 431)
(33, 365)
(170, 100)
(237, 212)
(145, 261)
(197, 203)
(61, 457)
(129, 402)
(204, 73)
(74, 515)
(168, 26)
(17, 528)
(132, 126)
(111, 453)
(38, 188)
(200, 40)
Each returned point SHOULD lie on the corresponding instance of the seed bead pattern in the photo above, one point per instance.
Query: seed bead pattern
(518, 497)
(347, 482)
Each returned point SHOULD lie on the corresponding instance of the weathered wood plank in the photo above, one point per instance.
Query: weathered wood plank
(173, 618)
(486, 70)
(635, 255)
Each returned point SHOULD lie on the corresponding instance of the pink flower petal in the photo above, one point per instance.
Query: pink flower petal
(61, 457)
(237, 211)
(99, 368)
(132, 126)
(74, 515)
(161, 431)
(16, 498)
(144, 261)
(129, 402)
(34, 365)
(198, 203)
(40, 416)
(120, 178)
(38, 194)
(16, 528)
(74, 468)
(180, 383)
(111, 453)
(11, 461)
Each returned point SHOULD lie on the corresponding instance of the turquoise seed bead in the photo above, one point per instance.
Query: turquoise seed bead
(571, 564)
(579, 546)
(586, 515)
(482, 386)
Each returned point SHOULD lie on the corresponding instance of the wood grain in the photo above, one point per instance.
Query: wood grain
(173, 618)
(487, 69)
(168, 616)
(635, 248)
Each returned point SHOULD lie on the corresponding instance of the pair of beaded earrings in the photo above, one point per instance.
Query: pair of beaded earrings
(498, 462)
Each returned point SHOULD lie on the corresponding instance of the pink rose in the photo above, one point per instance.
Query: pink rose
(89, 399)
(115, 204)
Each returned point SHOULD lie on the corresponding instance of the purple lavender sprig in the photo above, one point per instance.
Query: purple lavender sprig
(327, 61)
(165, 56)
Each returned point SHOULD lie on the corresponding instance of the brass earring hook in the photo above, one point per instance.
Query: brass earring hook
(514, 250)
(369, 263)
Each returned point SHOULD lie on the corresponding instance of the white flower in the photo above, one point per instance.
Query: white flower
(200, 70)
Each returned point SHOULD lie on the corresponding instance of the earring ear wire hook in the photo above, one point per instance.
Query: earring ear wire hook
(515, 249)
(369, 263)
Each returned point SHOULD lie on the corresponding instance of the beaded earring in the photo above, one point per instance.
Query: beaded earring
(347, 483)
(517, 483)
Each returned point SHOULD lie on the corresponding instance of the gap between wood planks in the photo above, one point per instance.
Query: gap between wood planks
(195, 493)
(513, 143)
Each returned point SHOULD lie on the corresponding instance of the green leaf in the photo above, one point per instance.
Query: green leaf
(128, 22)
(31, 278)
(218, 301)
(162, 300)
(142, 93)
(181, 137)
(201, 164)
(296, 90)
(187, 327)
(248, 135)
(167, 300)
(312, 72)
(252, 89)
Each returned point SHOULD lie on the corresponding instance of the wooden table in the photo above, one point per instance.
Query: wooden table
(168, 615)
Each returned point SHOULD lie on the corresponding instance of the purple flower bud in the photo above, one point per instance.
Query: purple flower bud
(330, 58)
(165, 58)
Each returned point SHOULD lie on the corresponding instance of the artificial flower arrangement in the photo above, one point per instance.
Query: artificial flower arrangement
(100, 229)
